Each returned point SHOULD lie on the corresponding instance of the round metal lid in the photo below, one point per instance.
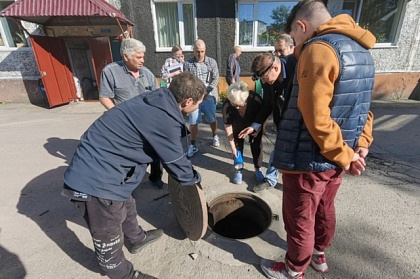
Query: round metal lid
(190, 208)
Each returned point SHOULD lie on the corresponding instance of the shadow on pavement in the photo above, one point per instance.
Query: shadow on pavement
(153, 205)
(11, 266)
(395, 152)
(42, 202)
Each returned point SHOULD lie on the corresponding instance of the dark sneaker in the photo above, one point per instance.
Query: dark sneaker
(319, 263)
(151, 236)
(261, 186)
(259, 175)
(158, 184)
(140, 275)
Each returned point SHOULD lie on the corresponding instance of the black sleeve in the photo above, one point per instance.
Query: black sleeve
(267, 105)
(229, 73)
(227, 113)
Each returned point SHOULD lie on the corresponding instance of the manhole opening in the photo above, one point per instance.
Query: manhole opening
(238, 215)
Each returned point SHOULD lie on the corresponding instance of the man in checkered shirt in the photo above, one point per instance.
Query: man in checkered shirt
(205, 68)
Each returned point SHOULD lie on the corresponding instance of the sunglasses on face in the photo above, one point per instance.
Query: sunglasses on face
(262, 74)
(238, 106)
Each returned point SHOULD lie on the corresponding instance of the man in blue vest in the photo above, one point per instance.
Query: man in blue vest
(325, 130)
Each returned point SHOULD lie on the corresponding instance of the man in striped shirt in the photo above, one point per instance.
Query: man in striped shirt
(205, 68)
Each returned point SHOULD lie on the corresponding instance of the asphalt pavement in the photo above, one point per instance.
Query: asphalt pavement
(43, 236)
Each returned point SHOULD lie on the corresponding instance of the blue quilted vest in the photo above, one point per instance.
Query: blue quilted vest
(295, 149)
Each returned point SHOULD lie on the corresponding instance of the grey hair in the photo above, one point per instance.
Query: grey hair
(238, 92)
(236, 48)
(130, 45)
(286, 38)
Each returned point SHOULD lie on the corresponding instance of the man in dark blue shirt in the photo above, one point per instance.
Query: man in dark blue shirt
(111, 161)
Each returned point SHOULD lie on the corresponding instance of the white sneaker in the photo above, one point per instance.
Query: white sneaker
(278, 270)
(192, 149)
(319, 263)
(216, 142)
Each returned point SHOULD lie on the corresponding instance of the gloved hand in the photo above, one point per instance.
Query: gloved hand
(197, 177)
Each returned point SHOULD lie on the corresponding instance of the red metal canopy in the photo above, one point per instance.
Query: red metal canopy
(61, 12)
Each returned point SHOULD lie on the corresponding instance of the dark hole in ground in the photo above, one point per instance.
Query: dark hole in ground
(239, 215)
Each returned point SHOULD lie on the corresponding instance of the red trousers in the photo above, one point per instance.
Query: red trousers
(309, 214)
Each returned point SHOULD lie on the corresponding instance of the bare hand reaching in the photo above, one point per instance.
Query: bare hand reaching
(248, 131)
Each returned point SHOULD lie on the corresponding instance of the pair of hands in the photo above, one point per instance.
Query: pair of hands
(356, 167)
(358, 164)
(245, 132)
(248, 131)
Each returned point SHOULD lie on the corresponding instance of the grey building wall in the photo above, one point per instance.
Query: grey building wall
(19, 77)
(139, 12)
(404, 56)
(216, 25)
(19, 63)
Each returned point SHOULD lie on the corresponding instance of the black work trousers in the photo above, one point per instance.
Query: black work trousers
(256, 148)
(108, 222)
(156, 171)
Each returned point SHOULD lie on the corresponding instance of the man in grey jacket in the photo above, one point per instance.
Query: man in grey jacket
(111, 161)
(233, 68)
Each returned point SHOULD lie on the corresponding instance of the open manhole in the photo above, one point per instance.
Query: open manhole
(238, 215)
(231, 215)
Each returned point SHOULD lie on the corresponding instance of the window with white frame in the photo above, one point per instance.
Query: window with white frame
(381, 17)
(11, 34)
(174, 23)
(261, 22)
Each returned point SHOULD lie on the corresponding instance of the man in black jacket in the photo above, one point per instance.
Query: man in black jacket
(275, 73)
(111, 161)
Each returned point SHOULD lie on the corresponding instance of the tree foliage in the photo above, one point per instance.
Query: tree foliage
(279, 15)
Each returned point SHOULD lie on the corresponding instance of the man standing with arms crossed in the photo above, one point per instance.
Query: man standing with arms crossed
(205, 68)
(123, 80)
(325, 130)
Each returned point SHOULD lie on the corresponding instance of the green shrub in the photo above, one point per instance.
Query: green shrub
(222, 96)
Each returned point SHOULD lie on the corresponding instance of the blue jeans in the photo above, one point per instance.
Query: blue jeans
(272, 173)
(208, 108)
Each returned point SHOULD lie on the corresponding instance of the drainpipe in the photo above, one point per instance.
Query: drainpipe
(218, 44)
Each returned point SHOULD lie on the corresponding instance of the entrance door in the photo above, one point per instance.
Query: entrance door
(51, 57)
(101, 55)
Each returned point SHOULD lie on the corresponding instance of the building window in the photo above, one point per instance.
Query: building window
(174, 23)
(381, 17)
(11, 34)
(260, 22)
